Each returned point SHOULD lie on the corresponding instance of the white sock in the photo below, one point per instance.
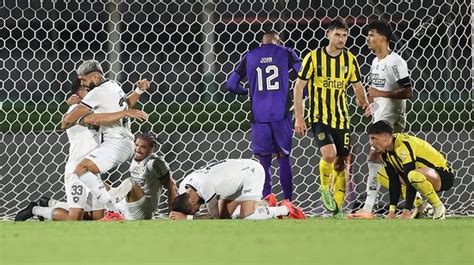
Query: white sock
(121, 191)
(46, 212)
(52, 203)
(97, 188)
(264, 213)
(236, 213)
(62, 205)
(373, 186)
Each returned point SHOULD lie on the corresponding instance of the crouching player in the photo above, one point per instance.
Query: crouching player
(225, 185)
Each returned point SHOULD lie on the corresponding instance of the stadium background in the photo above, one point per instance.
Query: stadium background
(187, 49)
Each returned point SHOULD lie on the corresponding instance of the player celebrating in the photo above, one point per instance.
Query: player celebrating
(390, 87)
(116, 147)
(267, 69)
(139, 195)
(414, 162)
(329, 70)
(225, 185)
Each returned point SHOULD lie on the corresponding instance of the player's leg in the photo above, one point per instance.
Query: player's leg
(374, 164)
(282, 136)
(262, 146)
(325, 142)
(382, 178)
(342, 143)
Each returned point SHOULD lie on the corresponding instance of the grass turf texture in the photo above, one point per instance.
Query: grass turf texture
(314, 241)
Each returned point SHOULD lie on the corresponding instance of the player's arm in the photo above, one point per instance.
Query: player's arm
(142, 86)
(75, 115)
(361, 98)
(233, 82)
(394, 189)
(213, 208)
(108, 118)
(170, 185)
(300, 124)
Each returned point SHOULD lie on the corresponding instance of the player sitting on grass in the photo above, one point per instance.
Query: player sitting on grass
(139, 195)
(225, 185)
(414, 162)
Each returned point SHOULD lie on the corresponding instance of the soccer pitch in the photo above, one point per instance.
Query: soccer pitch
(313, 241)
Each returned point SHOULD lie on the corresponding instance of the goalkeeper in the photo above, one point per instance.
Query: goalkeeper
(414, 162)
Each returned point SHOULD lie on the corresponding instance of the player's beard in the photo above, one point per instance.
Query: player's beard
(92, 85)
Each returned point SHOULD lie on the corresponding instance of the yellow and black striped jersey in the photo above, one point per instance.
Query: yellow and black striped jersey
(411, 152)
(328, 78)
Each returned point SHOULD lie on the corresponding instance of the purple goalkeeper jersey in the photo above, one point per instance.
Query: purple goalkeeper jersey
(267, 70)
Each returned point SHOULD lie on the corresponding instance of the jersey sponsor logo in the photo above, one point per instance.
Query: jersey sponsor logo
(247, 191)
(395, 71)
(266, 60)
(376, 81)
(333, 84)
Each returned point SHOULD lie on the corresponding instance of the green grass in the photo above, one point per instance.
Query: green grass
(313, 241)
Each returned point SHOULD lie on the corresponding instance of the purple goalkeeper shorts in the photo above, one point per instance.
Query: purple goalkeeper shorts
(272, 137)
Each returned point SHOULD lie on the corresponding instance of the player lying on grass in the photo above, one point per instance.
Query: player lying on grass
(414, 162)
(225, 185)
(139, 195)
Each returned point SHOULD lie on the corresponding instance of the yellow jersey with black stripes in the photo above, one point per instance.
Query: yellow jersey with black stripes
(411, 152)
(328, 78)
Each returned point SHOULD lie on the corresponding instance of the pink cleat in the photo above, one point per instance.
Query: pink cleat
(112, 216)
(270, 198)
(294, 212)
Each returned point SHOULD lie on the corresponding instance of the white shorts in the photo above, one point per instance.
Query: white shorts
(111, 153)
(139, 210)
(253, 184)
(78, 196)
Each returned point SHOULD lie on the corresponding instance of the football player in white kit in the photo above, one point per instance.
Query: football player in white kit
(225, 185)
(139, 195)
(389, 89)
(82, 140)
(116, 143)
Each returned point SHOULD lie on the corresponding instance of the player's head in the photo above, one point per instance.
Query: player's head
(187, 203)
(380, 135)
(379, 34)
(271, 37)
(145, 145)
(337, 33)
(90, 73)
(78, 89)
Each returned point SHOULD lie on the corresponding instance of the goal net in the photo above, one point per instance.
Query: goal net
(187, 49)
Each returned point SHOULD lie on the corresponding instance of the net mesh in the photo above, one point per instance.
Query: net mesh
(187, 50)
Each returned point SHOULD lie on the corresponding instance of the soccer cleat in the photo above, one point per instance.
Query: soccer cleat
(328, 201)
(43, 201)
(360, 215)
(439, 213)
(112, 216)
(339, 215)
(293, 211)
(26, 213)
(271, 200)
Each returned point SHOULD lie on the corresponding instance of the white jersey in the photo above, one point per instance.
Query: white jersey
(384, 75)
(82, 141)
(148, 174)
(107, 98)
(226, 178)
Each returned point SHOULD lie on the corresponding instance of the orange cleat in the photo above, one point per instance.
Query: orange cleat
(112, 216)
(360, 215)
(293, 211)
(270, 198)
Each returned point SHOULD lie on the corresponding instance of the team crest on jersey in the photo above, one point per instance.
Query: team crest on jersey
(321, 136)
(345, 69)
(403, 154)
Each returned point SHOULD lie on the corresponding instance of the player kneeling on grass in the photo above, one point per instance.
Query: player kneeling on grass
(225, 185)
(414, 162)
(139, 195)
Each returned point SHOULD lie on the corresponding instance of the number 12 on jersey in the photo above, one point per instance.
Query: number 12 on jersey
(271, 72)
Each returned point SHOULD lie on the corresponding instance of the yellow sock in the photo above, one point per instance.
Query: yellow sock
(382, 177)
(325, 170)
(424, 187)
(339, 187)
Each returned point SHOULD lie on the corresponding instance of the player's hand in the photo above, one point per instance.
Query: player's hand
(374, 92)
(74, 99)
(391, 215)
(143, 84)
(176, 216)
(136, 114)
(367, 109)
(300, 127)
(407, 214)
